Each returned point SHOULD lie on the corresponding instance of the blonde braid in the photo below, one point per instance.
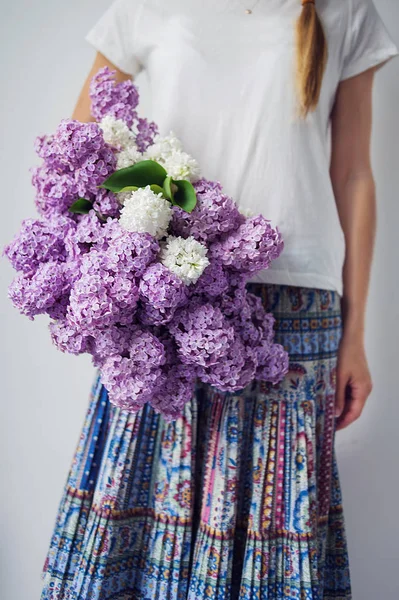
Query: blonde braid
(312, 54)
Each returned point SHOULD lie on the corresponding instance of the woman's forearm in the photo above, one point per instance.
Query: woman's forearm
(356, 203)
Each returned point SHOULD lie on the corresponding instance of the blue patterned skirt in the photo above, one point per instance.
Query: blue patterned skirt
(237, 499)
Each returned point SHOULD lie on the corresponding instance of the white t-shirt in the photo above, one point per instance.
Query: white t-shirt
(223, 81)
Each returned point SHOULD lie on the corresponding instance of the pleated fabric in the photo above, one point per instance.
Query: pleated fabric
(237, 499)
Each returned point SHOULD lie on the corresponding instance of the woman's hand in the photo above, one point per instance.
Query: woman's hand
(353, 380)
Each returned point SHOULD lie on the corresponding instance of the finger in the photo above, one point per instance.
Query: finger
(352, 412)
(346, 419)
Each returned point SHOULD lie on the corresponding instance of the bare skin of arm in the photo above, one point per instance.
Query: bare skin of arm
(82, 108)
(355, 195)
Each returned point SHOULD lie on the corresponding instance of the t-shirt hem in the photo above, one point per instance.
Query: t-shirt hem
(311, 280)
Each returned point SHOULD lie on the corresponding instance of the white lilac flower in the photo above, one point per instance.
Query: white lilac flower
(145, 211)
(187, 258)
(168, 151)
(116, 132)
(164, 146)
(181, 165)
(129, 156)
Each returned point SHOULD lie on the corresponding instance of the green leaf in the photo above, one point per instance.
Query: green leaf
(185, 196)
(145, 172)
(81, 207)
(129, 188)
(157, 189)
(167, 188)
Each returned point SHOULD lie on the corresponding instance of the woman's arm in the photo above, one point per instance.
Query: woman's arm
(82, 108)
(354, 189)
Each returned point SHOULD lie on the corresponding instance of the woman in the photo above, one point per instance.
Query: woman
(240, 497)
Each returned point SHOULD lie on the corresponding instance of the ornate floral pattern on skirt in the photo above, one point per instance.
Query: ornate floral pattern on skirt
(237, 499)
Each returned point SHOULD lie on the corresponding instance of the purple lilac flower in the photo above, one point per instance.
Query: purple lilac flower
(79, 149)
(37, 242)
(276, 367)
(202, 333)
(254, 324)
(256, 329)
(42, 145)
(107, 204)
(67, 339)
(131, 380)
(161, 293)
(169, 344)
(128, 252)
(71, 269)
(151, 316)
(215, 214)
(146, 132)
(124, 294)
(251, 247)
(118, 100)
(79, 240)
(111, 341)
(213, 282)
(55, 192)
(178, 380)
(232, 301)
(58, 310)
(63, 225)
(36, 292)
(234, 372)
(161, 288)
(176, 390)
(72, 143)
(100, 297)
(88, 231)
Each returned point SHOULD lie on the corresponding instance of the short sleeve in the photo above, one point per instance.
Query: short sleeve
(114, 35)
(369, 43)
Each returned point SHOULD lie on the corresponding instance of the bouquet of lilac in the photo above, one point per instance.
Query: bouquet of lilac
(141, 262)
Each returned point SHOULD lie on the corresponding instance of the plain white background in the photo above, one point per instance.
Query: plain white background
(44, 393)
